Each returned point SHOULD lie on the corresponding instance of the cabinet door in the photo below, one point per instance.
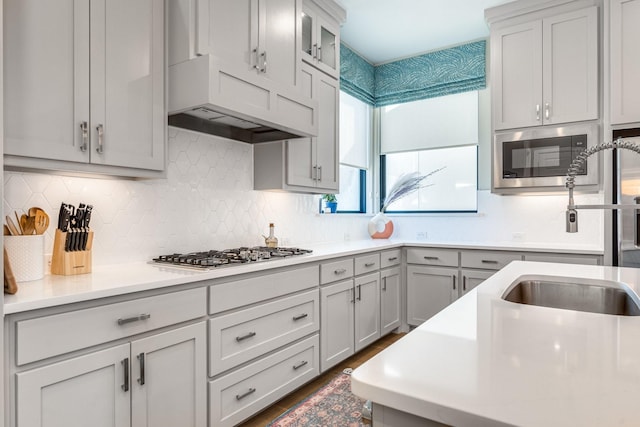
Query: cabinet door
(233, 33)
(389, 300)
(570, 74)
(336, 323)
(301, 152)
(169, 379)
(472, 278)
(46, 78)
(90, 390)
(516, 61)
(278, 40)
(328, 39)
(128, 117)
(625, 61)
(327, 94)
(367, 310)
(429, 290)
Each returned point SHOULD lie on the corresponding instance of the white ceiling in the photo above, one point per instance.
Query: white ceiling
(385, 30)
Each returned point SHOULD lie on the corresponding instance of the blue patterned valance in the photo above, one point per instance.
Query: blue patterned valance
(356, 76)
(444, 72)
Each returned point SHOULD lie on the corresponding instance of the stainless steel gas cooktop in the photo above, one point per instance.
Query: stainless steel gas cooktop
(228, 257)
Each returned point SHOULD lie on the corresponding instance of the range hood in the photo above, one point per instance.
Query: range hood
(205, 95)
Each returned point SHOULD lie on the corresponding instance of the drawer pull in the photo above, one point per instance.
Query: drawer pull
(432, 258)
(489, 261)
(454, 282)
(393, 258)
(340, 271)
(245, 336)
(300, 365)
(141, 359)
(359, 292)
(300, 316)
(133, 319)
(125, 386)
(369, 264)
(384, 284)
(245, 394)
(464, 283)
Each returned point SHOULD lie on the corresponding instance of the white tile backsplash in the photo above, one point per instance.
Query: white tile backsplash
(207, 202)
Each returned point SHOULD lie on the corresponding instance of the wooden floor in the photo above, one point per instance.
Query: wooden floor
(269, 414)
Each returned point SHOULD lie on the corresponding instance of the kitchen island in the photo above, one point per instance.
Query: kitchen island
(484, 361)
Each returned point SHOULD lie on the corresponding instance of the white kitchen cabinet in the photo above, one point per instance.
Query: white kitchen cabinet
(429, 290)
(337, 333)
(320, 39)
(564, 258)
(156, 381)
(546, 71)
(98, 104)
(367, 310)
(305, 164)
(86, 390)
(625, 61)
(390, 291)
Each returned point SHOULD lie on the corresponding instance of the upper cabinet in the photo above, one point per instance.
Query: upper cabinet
(625, 61)
(545, 71)
(320, 40)
(85, 86)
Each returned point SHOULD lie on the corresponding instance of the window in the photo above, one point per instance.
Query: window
(355, 139)
(427, 135)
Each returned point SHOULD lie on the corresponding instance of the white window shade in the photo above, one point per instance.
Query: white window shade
(446, 121)
(355, 125)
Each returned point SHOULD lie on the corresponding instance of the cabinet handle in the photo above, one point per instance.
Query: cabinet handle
(300, 316)
(320, 53)
(245, 394)
(393, 258)
(299, 365)
(319, 173)
(126, 320)
(359, 292)
(431, 257)
(315, 51)
(100, 148)
(454, 282)
(255, 59)
(489, 261)
(384, 284)
(125, 385)
(245, 336)
(314, 173)
(546, 110)
(464, 283)
(141, 360)
(264, 62)
(537, 112)
(84, 128)
(369, 264)
(353, 295)
(340, 271)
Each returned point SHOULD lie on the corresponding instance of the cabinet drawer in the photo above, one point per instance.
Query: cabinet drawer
(239, 337)
(390, 258)
(367, 263)
(57, 334)
(338, 270)
(564, 258)
(429, 256)
(238, 293)
(488, 260)
(240, 394)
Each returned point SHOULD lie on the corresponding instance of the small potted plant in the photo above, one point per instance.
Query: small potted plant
(331, 202)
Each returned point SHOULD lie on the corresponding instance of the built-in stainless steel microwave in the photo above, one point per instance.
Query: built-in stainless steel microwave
(537, 159)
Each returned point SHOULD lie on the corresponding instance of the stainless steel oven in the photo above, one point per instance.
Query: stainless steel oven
(537, 159)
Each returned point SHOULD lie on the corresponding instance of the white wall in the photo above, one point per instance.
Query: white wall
(207, 202)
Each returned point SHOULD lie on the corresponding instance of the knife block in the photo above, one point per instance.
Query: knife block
(68, 263)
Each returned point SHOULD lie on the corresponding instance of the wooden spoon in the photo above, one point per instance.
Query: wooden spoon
(41, 219)
(29, 225)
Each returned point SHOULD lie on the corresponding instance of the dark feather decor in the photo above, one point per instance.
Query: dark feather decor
(405, 185)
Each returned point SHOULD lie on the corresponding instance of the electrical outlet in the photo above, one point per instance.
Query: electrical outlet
(347, 237)
(518, 236)
(421, 235)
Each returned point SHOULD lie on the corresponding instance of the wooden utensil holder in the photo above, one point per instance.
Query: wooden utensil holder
(67, 263)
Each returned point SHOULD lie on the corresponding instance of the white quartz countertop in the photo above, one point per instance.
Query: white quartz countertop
(484, 361)
(112, 280)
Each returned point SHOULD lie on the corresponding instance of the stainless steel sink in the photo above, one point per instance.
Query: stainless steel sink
(610, 298)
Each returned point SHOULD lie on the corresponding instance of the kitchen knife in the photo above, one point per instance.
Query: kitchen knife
(87, 218)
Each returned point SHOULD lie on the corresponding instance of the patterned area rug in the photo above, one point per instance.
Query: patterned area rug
(331, 405)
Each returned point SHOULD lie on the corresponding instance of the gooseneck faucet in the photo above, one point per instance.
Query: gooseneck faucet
(574, 167)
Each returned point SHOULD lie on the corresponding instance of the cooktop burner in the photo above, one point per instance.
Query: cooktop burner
(209, 259)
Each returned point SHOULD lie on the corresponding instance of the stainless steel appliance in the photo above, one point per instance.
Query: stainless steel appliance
(537, 159)
(626, 232)
(206, 260)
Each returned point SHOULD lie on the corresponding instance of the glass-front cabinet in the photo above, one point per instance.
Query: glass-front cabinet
(320, 40)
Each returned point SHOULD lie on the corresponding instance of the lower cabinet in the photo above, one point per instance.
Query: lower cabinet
(155, 381)
(390, 291)
(367, 310)
(429, 290)
(471, 278)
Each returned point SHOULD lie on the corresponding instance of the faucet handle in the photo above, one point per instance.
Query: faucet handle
(572, 221)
